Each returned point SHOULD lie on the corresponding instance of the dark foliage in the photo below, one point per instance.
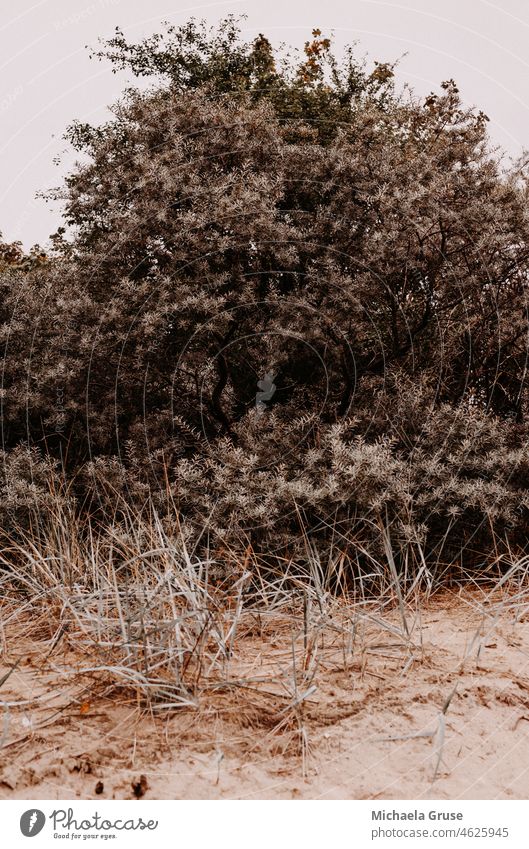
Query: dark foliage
(296, 225)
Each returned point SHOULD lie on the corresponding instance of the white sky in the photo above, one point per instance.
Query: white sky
(47, 78)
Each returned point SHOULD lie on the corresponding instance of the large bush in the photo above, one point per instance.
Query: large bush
(302, 229)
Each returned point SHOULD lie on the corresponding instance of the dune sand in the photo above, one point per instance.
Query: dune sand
(374, 727)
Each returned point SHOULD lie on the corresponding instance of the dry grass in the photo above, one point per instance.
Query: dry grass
(128, 611)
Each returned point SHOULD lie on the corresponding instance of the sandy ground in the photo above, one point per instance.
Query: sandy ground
(373, 728)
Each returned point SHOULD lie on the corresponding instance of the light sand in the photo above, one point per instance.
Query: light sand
(244, 742)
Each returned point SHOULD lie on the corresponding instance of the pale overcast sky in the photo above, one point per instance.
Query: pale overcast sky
(47, 78)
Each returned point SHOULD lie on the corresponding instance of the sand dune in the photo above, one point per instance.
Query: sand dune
(374, 726)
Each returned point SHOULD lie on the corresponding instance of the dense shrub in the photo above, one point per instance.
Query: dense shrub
(301, 223)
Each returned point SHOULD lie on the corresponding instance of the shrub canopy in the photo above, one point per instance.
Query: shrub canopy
(292, 219)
